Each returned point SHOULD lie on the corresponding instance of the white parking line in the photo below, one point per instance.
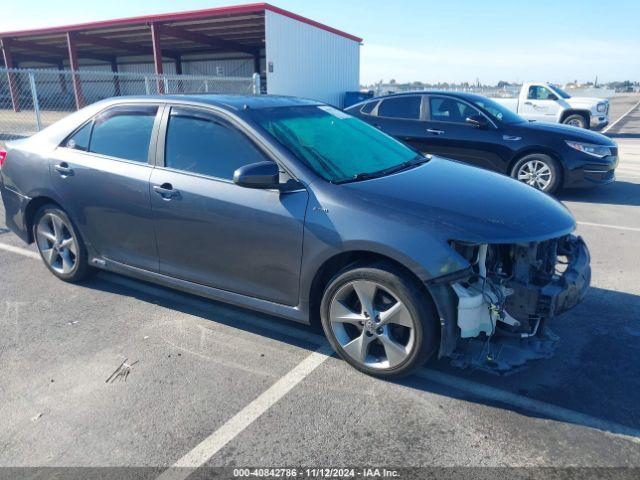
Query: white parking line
(623, 116)
(20, 251)
(245, 417)
(614, 227)
(212, 444)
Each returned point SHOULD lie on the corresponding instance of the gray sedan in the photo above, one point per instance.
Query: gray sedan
(293, 208)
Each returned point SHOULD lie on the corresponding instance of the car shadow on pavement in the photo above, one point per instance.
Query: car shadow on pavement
(618, 193)
(595, 370)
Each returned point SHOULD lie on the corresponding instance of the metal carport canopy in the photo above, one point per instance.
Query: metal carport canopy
(234, 29)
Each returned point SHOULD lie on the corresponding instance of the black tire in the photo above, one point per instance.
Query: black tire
(406, 290)
(551, 163)
(81, 269)
(576, 120)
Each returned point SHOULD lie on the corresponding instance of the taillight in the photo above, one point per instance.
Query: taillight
(3, 157)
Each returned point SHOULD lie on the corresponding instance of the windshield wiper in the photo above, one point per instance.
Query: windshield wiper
(418, 160)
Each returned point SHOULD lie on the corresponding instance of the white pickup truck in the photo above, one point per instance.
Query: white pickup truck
(544, 102)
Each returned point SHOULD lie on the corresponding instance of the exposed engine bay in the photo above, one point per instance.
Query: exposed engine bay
(504, 305)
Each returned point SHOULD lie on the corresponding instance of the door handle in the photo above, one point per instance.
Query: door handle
(166, 191)
(528, 103)
(435, 132)
(63, 169)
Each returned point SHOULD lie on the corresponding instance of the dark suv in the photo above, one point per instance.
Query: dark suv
(476, 130)
(296, 209)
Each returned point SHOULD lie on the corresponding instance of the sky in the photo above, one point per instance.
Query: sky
(428, 40)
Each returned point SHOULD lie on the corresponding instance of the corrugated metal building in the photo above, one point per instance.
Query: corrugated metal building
(293, 54)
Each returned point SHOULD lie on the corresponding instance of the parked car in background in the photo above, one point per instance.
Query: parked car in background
(294, 208)
(481, 132)
(544, 102)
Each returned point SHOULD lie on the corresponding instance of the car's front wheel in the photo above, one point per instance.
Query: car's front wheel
(576, 121)
(60, 245)
(538, 170)
(379, 321)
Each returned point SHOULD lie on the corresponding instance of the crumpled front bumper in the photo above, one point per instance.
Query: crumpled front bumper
(530, 302)
(570, 288)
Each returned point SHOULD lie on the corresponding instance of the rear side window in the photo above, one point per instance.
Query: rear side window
(206, 146)
(124, 132)
(405, 107)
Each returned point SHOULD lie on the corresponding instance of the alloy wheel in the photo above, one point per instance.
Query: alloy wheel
(574, 123)
(536, 173)
(372, 325)
(56, 243)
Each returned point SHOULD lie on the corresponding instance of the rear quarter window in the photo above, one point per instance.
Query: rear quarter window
(80, 139)
(368, 107)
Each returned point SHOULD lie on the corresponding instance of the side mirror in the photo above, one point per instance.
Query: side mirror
(264, 175)
(552, 97)
(477, 121)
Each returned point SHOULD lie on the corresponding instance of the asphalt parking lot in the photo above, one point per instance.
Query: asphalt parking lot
(217, 386)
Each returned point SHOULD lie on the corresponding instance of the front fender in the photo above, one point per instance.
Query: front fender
(336, 228)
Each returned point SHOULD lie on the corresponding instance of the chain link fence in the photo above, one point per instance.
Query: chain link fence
(30, 100)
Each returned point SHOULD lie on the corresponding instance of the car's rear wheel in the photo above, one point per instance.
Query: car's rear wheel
(538, 170)
(60, 245)
(576, 121)
(379, 321)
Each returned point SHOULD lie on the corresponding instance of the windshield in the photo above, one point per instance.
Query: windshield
(335, 145)
(559, 91)
(499, 112)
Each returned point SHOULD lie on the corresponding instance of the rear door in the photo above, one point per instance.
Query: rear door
(401, 117)
(451, 136)
(212, 231)
(101, 173)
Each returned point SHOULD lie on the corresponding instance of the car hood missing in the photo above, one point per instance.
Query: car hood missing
(466, 203)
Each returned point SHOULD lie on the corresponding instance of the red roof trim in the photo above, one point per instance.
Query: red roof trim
(173, 17)
(308, 21)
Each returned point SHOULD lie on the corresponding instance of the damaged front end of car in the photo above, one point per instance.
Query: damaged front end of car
(494, 315)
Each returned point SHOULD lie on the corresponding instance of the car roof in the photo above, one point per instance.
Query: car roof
(464, 95)
(225, 101)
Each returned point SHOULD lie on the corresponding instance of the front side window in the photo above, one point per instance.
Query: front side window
(560, 92)
(203, 145)
(335, 145)
(497, 111)
(538, 92)
(124, 132)
(444, 109)
(404, 107)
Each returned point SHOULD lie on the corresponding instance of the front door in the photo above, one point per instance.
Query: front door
(213, 232)
(447, 133)
(541, 104)
(102, 173)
